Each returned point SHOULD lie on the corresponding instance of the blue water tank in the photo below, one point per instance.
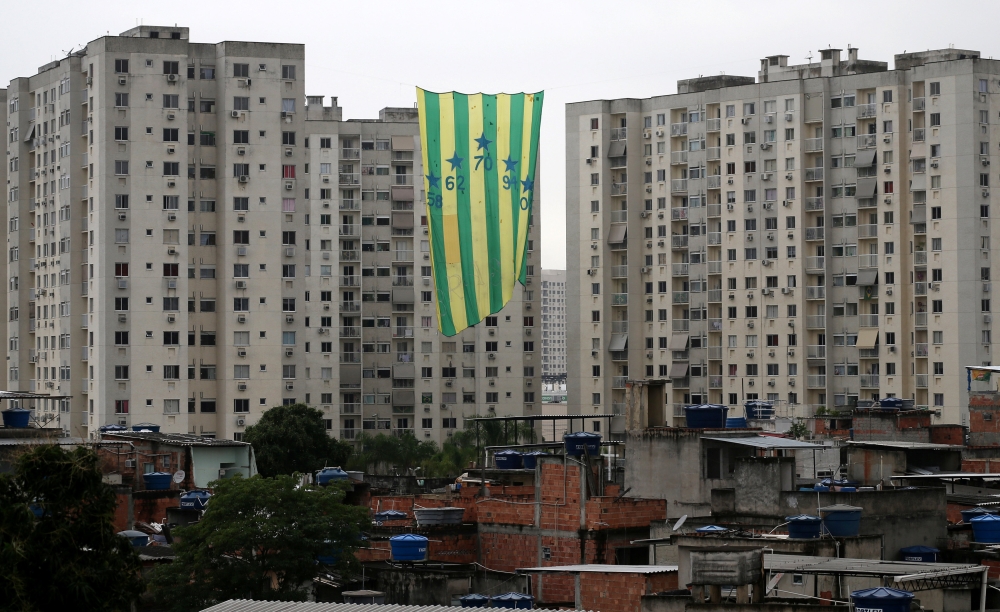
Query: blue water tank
(893, 403)
(408, 547)
(197, 499)
(507, 460)
(513, 601)
(821, 488)
(157, 481)
(706, 416)
(137, 538)
(882, 599)
(474, 600)
(389, 515)
(146, 426)
(329, 556)
(756, 409)
(971, 513)
(804, 526)
(736, 423)
(576, 442)
(986, 529)
(16, 418)
(921, 554)
(324, 476)
(530, 460)
(841, 520)
(711, 529)
(111, 428)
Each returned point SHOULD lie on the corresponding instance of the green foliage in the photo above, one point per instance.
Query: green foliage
(290, 439)
(70, 558)
(258, 539)
(384, 454)
(798, 429)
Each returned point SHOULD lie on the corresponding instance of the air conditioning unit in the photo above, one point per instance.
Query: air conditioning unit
(730, 180)
(172, 78)
(449, 383)
(289, 352)
(749, 237)
(241, 386)
(888, 200)
(750, 382)
(791, 382)
(325, 330)
(528, 383)
(241, 353)
(171, 318)
(171, 251)
(729, 207)
(130, 463)
(649, 189)
(660, 243)
(986, 287)
(171, 217)
(768, 119)
(646, 135)
(290, 252)
(766, 176)
(791, 352)
(786, 203)
(770, 383)
(887, 139)
(986, 193)
(765, 262)
(643, 214)
(241, 218)
(589, 160)
(888, 290)
(491, 356)
(171, 116)
(289, 386)
(770, 235)
(492, 332)
(171, 283)
(289, 186)
(749, 353)
(241, 251)
(789, 176)
(122, 81)
(987, 318)
(326, 179)
(171, 183)
(785, 291)
(241, 318)
(934, 164)
(765, 146)
(887, 170)
(594, 246)
(122, 318)
(235, 114)
(750, 324)
(241, 150)
(644, 270)
(649, 299)
(732, 296)
(770, 353)
(241, 421)
(745, 120)
(985, 161)
(244, 179)
(289, 319)
(288, 152)
(659, 132)
(789, 117)
(241, 284)
(659, 215)
(892, 348)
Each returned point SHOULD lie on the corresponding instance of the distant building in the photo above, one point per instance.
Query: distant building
(553, 322)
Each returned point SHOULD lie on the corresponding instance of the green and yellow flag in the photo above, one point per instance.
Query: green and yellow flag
(479, 154)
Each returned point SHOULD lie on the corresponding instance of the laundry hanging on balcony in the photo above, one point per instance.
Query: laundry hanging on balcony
(479, 154)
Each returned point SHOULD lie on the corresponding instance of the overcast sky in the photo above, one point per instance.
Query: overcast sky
(372, 54)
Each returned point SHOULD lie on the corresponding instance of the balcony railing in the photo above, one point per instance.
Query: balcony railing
(715, 267)
(714, 182)
(619, 216)
(682, 297)
(402, 179)
(619, 271)
(619, 189)
(678, 186)
(920, 319)
(715, 295)
(350, 358)
(678, 129)
(713, 125)
(919, 288)
(618, 162)
(403, 255)
(918, 134)
(350, 409)
(920, 349)
(350, 332)
(619, 299)
(867, 203)
(619, 327)
(816, 381)
(679, 242)
(816, 351)
(866, 111)
(816, 322)
(350, 179)
(678, 157)
(618, 408)
(920, 258)
(814, 203)
(402, 331)
(618, 382)
(868, 261)
(921, 381)
(867, 353)
(714, 353)
(679, 269)
(350, 434)
(813, 144)
(681, 325)
(919, 104)
(867, 141)
(402, 281)
(350, 256)
(714, 210)
(404, 357)
(815, 263)
(350, 204)
(350, 281)
(715, 325)
(868, 320)
(817, 292)
(350, 153)
(678, 213)
(814, 174)
(867, 172)
(715, 381)
(868, 230)
(713, 153)
(350, 306)
(815, 233)
(869, 381)
(350, 229)
(714, 238)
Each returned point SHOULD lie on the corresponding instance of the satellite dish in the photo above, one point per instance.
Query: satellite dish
(179, 478)
(679, 522)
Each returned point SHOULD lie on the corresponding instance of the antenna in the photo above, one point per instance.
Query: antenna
(810, 57)
(679, 522)
(178, 477)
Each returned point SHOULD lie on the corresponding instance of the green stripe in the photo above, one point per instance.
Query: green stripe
(516, 145)
(432, 110)
(465, 208)
(536, 124)
(493, 206)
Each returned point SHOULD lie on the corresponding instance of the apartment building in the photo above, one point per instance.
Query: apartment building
(554, 323)
(184, 252)
(813, 237)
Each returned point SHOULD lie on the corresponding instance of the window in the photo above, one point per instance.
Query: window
(121, 167)
(171, 169)
(935, 88)
(121, 100)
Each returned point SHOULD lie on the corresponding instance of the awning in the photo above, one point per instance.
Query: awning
(403, 397)
(403, 370)
(617, 233)
(867, 337)
(402, 220)
(679, 369)
(919, 214)
(866, 188)
(770, 442)
(402, 194)
(31, 134)
(402, 143)
(617, 148)
(402, 295)
(864, 158)
(618, 342)
(918, 182)
(868, 276)
(350, 375)
(679, 341)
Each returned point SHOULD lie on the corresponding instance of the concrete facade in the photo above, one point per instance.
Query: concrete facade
(813, 238)
(553, 322)
(192, 240)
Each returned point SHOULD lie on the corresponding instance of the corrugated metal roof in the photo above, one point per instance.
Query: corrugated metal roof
(247, 605)
(601, 568)
(905, 445)
(801, 564)
(769, 442)
(171, 438)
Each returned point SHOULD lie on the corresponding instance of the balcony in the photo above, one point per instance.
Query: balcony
(618, 162)
(715, 353)
(402, 281)
(618, 408)
(350, 204)
(868, 261)
(871, 353)
(682, 297)
(679, 269)
(714, 238)
(350, 332)
(714, 182)
(920, 319)
(816, 351)
(868, 320)
(816, 263)
(619, 271)
(678, 214)
(678, 157)
(402, 179)
(618, 189)
(619, 133)
(619, 327)
(815, 233)
(713, 125)
(867, 141)
(920, 258)
(678, 186)
(84, 321)
(681, 325)
(350, 154)
(403, 156)
(350, 256)
(350, 409)
(619, 216)
(350, 358)
(866, 111)
(350, 179)
(402, 432)
(397, 205)
(868, 230)
(921, 381)
(404, 357)
(817, 292)
(350, 229)
(920, 349)
(678, 129)
(919, 288)
(814, 174)
(918, 135)
(713, 153)
(714, 295)
(619, 355)
(350, 434)
(618, 382)
(619, 299)
(402, 331)
(403, 255)
(715, 381)
(816, 381)
(715, 325)
(869, 381)
(814, 203)
(714, 210)
(869, 172)
(715, 267)
(350, 307)
(867, 203)
(813, 144)
(816, 322)
(350, 281)
(679, 242)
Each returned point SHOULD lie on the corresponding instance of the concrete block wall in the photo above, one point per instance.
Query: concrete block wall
(621, 592)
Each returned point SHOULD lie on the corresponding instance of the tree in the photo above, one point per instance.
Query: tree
(290, 439)
(381, 453)
(258, 539)
(58, 547)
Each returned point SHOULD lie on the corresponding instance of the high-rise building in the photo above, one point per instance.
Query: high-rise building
(191, 242)
(815, 237)
(554, 323)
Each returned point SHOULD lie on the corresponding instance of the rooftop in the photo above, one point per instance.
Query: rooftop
(915, 576)
(247, 605)
(600, 568)
(169, 438)
(768, 442)
(896, 444)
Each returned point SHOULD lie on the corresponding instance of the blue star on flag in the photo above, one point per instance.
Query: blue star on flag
(484, 142)
(434, 181)
(511, 163)
(527, 184)
(455, 161)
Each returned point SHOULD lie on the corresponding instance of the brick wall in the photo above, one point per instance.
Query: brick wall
(947, 434)
(607, 592)
(447, 548)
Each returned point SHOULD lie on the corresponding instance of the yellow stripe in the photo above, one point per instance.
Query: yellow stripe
(522, 226)
(506, 220)
(427, 188)
(449, 215)
(477, 205)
